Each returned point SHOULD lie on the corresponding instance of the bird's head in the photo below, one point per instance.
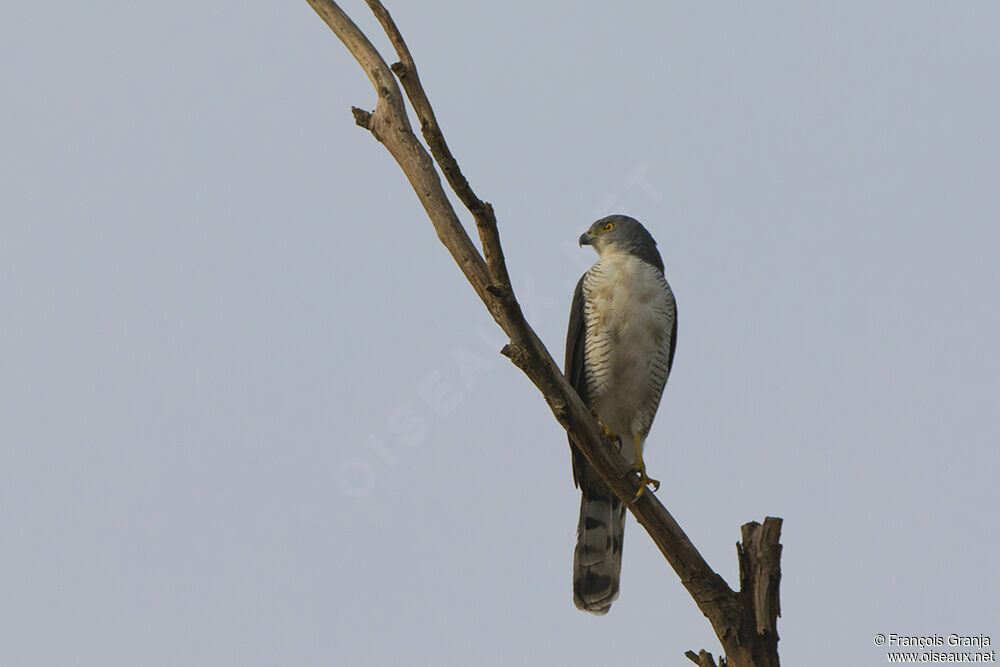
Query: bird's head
(620, 233)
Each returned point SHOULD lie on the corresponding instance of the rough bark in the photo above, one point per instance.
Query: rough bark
(746, 634)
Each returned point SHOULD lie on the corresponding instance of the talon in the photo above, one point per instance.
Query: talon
(645, 480)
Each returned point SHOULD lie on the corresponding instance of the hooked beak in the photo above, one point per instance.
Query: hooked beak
(586, 239)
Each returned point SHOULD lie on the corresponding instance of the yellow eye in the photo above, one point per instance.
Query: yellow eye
(608, 226)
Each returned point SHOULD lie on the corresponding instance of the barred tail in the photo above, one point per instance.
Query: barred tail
(597, 561)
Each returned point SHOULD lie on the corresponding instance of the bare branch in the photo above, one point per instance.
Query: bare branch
(486, 221)
(368, 57)
(760, 572)
(389, 124)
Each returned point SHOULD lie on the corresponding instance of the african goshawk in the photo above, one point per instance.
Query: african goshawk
(619, 349)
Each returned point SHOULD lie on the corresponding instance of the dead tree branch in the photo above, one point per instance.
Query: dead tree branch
(743, 621)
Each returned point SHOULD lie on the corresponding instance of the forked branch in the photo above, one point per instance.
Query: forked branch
(388, 123)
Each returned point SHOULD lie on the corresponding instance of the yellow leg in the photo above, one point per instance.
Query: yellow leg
(640, 467)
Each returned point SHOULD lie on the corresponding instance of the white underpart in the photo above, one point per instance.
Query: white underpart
(629, 314)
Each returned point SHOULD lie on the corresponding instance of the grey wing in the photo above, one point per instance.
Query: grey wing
(574, 367)
(673, 331)
(660, 365)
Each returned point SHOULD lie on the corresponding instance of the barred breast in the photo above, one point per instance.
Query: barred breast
(629, 315)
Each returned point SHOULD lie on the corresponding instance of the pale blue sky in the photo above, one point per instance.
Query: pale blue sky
(224, 302)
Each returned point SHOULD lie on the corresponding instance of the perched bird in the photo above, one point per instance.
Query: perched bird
(619, 349)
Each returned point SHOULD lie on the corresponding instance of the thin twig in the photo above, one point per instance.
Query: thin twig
(703, 659)
(486, 221)
(390, 125)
